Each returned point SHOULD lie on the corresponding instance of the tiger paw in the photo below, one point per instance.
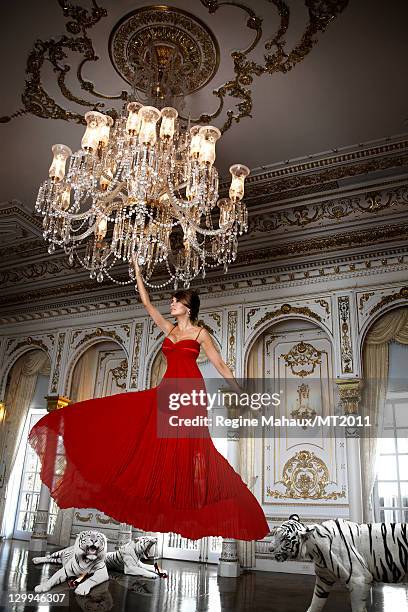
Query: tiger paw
(82, 589)
(42, 588)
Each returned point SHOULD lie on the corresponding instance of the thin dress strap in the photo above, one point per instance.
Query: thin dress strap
(171, 331)
(199, 333)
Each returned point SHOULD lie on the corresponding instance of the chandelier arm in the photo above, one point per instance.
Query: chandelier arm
(197, 228)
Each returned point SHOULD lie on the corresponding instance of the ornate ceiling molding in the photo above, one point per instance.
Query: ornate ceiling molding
(168, 28)
(278, 57)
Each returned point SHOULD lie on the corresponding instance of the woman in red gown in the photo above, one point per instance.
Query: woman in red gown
(111, 456)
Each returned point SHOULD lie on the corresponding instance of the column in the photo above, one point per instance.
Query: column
(350, 396)
(228, 564)
(38, 541)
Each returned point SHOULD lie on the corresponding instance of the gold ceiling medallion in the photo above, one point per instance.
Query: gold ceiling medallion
(176, 39)
(173, 36)
(305, 476)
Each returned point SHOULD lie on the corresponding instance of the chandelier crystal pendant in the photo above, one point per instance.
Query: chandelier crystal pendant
(143, 184)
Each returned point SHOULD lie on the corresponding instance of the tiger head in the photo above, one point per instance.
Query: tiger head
(91, 546)
(143, 546)
(288, 538)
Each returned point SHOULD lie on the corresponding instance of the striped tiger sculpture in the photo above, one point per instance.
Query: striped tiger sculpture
(85, 561)
(354, 554)
(127, 558)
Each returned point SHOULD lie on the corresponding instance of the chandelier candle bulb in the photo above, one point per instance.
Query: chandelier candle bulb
(104, 131)
(149, 116)
(209, 136)
(133, 120)
(94, 122)
(57, 168)
(169, 116)
(239, 173)
(195, 142)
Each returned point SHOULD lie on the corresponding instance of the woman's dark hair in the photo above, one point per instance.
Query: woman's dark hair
(191, 299)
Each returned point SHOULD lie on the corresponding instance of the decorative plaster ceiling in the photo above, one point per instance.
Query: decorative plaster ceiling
(334, 206)
(314, 75)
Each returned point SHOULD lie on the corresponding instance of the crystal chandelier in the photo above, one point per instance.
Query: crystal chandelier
(145, 184)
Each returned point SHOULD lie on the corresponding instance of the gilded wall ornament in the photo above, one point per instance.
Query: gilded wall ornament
(303, 359)
(134, 372)
(303, 409)
(120, 373)
(332, 210)
(99, 332)
(55, 376)
(287, 309)
(363, 299)
(402, 294)
(305, 476)
(232, 339)
(345, 334)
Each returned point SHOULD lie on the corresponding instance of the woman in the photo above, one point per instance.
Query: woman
(114, 456)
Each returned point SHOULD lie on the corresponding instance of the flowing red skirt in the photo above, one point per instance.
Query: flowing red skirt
(104, 453)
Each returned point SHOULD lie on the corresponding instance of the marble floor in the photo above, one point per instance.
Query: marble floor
(190, 587)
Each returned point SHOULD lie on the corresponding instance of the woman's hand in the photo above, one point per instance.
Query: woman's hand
(135, 264)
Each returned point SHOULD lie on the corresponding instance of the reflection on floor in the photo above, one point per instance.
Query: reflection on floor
(190, 587)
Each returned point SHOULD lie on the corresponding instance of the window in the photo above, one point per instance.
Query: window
(391, 487)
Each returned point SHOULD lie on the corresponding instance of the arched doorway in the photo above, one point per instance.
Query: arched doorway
(300, 469)
(26, 387)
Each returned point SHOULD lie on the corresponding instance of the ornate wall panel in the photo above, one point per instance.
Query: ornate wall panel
(81, 339)
(297, 469)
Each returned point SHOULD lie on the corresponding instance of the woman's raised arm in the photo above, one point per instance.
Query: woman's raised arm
(157, 317)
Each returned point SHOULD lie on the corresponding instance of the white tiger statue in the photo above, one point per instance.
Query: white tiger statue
(85, 560)
(354, 554)
(127, 558)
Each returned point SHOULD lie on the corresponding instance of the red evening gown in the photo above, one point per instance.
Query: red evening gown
(111, 458)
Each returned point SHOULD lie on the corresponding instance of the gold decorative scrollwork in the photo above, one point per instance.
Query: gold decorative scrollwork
(402, 294)
(98, 333)
(287, 309)
(303, 409)
(119, 374)
(305, 476)
(303, 359)
(105, 521)
(345, 334)
(278, 58)
(84, 519)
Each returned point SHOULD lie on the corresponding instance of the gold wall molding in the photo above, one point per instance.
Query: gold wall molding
(55, 402)
(301, 355)
(350, 394)
(134, 371)
(287, 309)
(120, 374)
(402, 294)
(56, 373)
(99, 332)
(232, 339)
(326, 169)
(305, 476)
(346, 352)
(358, 206)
